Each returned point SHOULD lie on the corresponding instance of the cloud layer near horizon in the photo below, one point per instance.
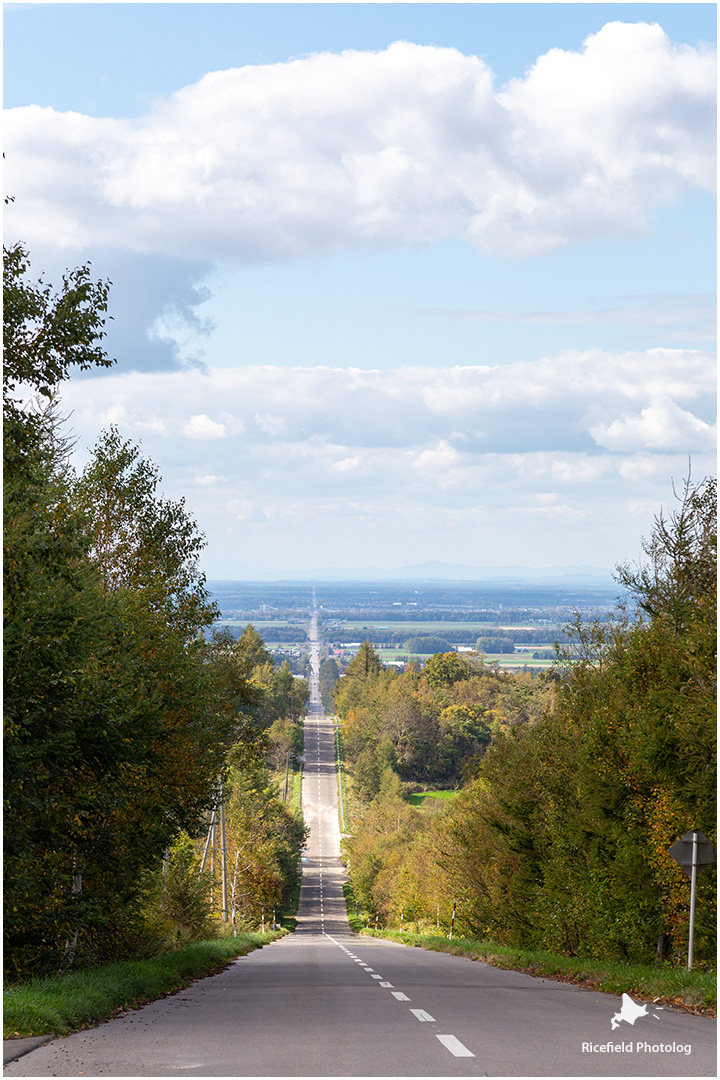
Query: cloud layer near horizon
(370, 149)
(658, 400)
(335, 455)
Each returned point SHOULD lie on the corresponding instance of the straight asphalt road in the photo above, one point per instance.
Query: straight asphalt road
(323, 1002)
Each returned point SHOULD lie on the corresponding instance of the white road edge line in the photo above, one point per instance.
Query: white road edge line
(451, 1043)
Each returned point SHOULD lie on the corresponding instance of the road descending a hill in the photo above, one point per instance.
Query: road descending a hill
(323, 1002)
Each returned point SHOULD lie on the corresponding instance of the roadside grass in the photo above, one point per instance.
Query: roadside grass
(60, 1004)
(420, 797)
(295, 797)
(664, 984)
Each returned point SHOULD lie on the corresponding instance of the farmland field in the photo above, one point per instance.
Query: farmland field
(507, 661)
(262, 626)
(436, 628)
(532, 616)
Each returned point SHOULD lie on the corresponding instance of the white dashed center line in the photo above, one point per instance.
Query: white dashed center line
(450, 1042)
(455, 1046)
(423, 1016)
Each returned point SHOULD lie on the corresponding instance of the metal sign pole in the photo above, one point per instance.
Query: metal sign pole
(692, 852)
(693, 889)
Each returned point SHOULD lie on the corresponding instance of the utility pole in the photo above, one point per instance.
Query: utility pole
(223, 856)
(208, 842)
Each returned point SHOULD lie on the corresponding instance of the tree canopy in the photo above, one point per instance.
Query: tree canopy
(116, 720)
(575, 785)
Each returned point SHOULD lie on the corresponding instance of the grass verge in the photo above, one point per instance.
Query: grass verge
(296, 794)
(695, 991)
(58, 1005)
(422, 799)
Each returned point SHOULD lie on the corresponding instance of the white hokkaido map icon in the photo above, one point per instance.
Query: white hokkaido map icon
(629, 1012)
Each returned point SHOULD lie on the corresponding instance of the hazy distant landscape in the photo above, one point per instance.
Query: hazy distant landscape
(514, 624)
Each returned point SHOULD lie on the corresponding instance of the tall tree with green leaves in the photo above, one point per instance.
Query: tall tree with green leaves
(567, 832)
(54, 612)
(115, 723)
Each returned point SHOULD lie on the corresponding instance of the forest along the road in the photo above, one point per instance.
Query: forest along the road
(323, 1002)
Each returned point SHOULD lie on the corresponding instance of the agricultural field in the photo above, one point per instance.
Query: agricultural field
(525, 644)
(530, 617)
(506, 661)
(425, 627)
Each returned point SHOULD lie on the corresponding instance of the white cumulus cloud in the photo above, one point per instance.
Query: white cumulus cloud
(388, 467)
(662, 425)
(575, 402)
(360, 149)
(202, 427)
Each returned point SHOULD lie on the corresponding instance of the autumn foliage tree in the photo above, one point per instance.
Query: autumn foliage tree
(560, 838)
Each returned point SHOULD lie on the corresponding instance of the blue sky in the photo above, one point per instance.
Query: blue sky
(383, 304)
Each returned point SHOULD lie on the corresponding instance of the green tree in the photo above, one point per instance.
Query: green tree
(329, 676)
(115, 723)
(425, 645)
(445, 669)
(566, 836)
(250, 650)
(176, 898)
(45, 334)
(264, 839)
(55, 618)
(365, 665)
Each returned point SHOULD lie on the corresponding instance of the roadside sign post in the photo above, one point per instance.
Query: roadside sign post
(692, 852)
(693, 890)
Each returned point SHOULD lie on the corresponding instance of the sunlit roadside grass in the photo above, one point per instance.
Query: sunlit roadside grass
(666, 984)
(422, 799)
(59, 1004)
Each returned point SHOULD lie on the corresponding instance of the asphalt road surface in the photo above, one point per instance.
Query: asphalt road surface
(323, 1002)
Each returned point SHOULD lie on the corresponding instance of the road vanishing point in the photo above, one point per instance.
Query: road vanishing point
(325, 1002)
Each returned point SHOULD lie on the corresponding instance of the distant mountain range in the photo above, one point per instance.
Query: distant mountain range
(439, 571)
